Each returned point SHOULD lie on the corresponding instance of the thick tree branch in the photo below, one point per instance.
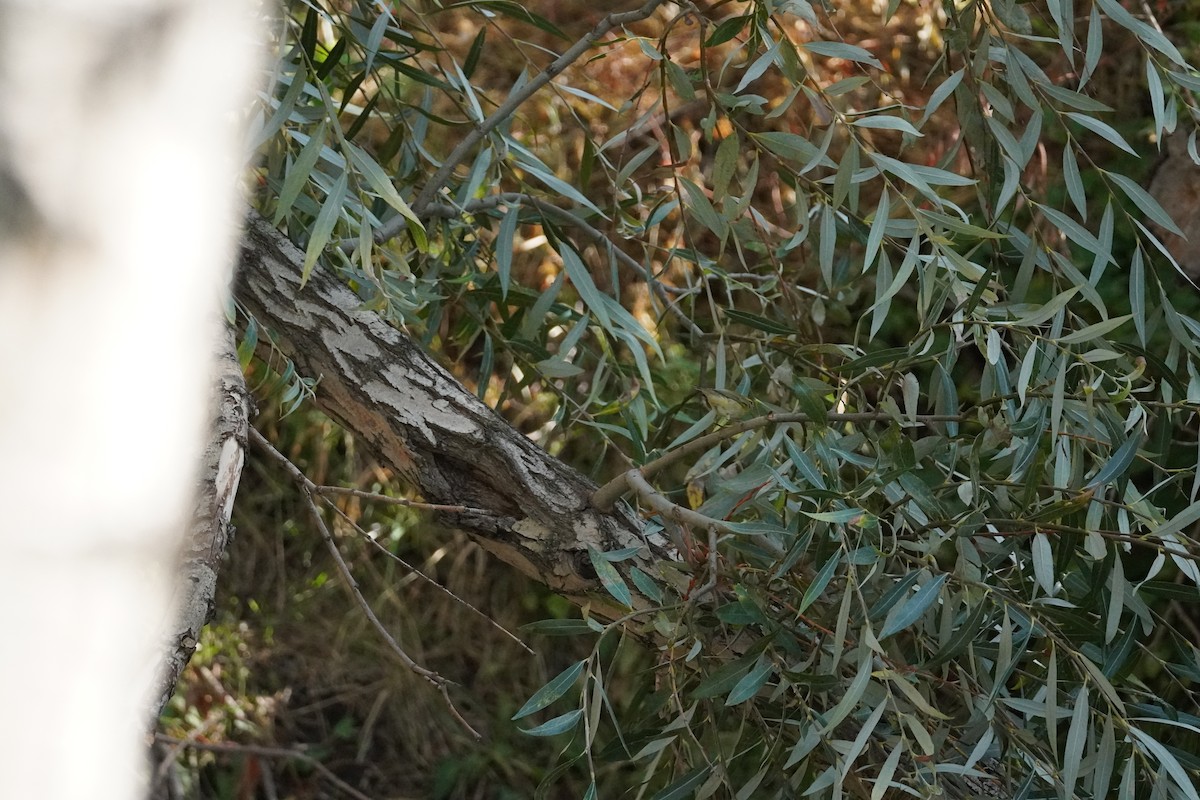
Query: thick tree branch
(436, 435)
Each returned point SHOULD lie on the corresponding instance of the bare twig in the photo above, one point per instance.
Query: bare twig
(609, 493)
(266, 752)
(308, 489)
(684, 516)
(509, 106)
(398, 501)
(415, 571)
(711, 583)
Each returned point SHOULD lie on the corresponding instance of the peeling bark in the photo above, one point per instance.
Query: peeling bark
(210, 531)
(529, 509)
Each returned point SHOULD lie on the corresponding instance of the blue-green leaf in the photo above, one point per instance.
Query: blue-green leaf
(1118, 462)
(610, 578)
(1103, 129)
(751, 682)
(911, 611)
(558, 725)
(821, 581)
(553, 690)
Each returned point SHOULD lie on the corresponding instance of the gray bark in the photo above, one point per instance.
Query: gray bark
(527, 508)
(210, 530)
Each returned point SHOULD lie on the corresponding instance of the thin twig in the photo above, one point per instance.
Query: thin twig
(266, 752)
(506, 109)
(609, 493)
(685, 516)
(399, 501)
(435, 584)
(711, 583)
(307, 488)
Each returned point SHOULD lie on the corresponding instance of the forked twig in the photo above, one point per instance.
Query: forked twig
(309, 489)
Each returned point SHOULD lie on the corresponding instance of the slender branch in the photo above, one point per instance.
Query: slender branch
(308, 489)
(673, 511)
(711, 583)
(685, 516)
(609, 493)
(266, 752)
(420, 574)
(509, 106)
(399, 501)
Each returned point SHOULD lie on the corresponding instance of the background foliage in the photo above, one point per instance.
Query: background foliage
(965, 559)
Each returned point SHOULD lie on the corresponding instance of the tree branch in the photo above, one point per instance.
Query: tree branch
(210, 531)
(437, 436)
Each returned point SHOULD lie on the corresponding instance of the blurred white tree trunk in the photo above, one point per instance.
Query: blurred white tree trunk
(119, 150)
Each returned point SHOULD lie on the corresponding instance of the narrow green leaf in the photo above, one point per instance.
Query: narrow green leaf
(323, 226)
(821, 581)
(472, 59)
(1145, 203)
(1094, 331)
(581, 278)
(646, 585)
(1158, 100)
(723, 678)
(1074, 181)
(1102, 129)
(916, 606)
(503, 248)
(382, 184)
(727, 30)
(751, 682)
(1095, 45)
(792, 147)
(853, 693)
(300, 171)
(1178, 522)
(1119, 462)
(1075, 232)
(610, 578)
(756, 69)
(724, 164)
(939, 95)
(702, 209)
(543, 174)
(686, 786)
(849, 52)
(553, 690)
(887, 123)
(845, 516)
(1077, 736)
(1168, 762)
(1040, 314)
(1137, 294)
(557, 725)
(287, 104)
(884, 780)
(878, 228)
